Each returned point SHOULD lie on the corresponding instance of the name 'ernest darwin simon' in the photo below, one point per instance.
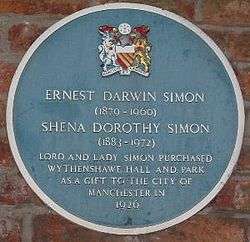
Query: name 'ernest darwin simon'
(125, 96)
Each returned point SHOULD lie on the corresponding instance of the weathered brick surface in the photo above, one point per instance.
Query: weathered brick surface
(3, 134)
(197, 229)
(239, 46)
(42, 6)
(6, 158)
(243, 164)
(247, 128)
(243, 76)
(242, 195)
(7, 71)
(21, 36)
(52, 228)
(235, 45)
(182, 7)
(14, 190)
(3, 105)
(225, 199)
(9, 230)
(226, 12)
(220, 38)
(235, 195)
(203, 229)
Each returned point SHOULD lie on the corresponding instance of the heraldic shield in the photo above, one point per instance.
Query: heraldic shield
(125, 49)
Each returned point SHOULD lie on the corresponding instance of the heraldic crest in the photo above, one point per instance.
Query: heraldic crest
(125, 49)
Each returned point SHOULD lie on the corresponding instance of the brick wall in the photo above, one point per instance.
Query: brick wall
(24, 218)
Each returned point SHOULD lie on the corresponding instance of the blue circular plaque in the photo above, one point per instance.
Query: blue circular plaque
(125, 118)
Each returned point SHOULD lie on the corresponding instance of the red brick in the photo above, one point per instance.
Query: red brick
(42, 6)
(53, 228)
(226, 12)
(6, 159)
(14, 190)
(203, 229)
(243, 77)
(235, 195)
(235, 45)
(7, 71)
(225, 199)
(244, 160)
(184, 8)
(242, 195)
(3, 132)
(21, 36)
(3, 105)
(239, 46)
(219, 38)
(9, 230)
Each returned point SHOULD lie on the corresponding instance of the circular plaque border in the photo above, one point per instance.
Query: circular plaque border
(113, 230)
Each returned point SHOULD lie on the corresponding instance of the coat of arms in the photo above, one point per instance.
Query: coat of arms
(125, 49)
